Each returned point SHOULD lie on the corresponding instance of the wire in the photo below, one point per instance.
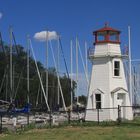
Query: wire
(64, 58)
(14, 39)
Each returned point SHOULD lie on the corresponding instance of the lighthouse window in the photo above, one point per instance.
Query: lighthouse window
(101, 36)
(98, 101)
(114, 37)
(116, 68)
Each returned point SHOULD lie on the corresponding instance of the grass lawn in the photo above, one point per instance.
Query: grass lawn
(78, 133)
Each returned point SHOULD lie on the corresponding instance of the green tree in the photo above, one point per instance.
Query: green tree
(20, 80)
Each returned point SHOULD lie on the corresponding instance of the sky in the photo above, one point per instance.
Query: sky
(69, 18)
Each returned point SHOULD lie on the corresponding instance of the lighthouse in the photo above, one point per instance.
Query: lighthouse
(108, 87)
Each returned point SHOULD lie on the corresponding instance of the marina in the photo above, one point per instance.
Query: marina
(61, 111)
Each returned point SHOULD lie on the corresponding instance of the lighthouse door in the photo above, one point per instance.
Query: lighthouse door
(121, 102)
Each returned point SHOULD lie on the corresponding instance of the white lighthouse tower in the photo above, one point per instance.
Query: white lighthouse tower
(108, 87)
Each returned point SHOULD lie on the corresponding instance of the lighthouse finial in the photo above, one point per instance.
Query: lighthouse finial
(106, 24)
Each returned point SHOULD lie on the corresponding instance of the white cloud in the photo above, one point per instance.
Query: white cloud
(1, 15)
(42, 36)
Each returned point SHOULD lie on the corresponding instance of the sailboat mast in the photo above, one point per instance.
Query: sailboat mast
(63, 101)
(6, 84)
(86, 59)
(77, 69)
(28, 71)
(80, 52)
(47, 64)
(46, 99)
(71, 47)
(130, 67)
(86, 64)
(13, 78)
(11, 66)
(58, 94)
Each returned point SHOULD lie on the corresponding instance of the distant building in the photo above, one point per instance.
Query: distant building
(108, 87)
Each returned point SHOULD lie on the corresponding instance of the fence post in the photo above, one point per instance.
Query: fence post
(119, 114)
(78, 113)
(1, 124)
(98, 115)
(27, 118)
(69, 112)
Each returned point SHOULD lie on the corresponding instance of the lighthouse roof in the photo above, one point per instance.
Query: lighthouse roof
(106, 28)
(107, 35)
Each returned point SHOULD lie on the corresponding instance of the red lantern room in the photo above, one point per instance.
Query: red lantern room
(107, 35)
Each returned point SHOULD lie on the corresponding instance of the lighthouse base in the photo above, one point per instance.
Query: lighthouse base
(109, 114)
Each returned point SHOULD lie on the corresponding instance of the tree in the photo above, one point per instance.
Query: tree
(20, 81)
(83, 99)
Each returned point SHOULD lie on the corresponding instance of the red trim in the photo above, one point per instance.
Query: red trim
(106, 29)
(107, 41)
(107, 36)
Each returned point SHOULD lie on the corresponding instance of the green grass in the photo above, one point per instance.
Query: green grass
(127, 130)
(122, 132)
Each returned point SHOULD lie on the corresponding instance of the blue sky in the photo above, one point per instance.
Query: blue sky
(70, 18)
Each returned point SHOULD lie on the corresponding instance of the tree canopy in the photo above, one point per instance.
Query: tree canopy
(19, 91)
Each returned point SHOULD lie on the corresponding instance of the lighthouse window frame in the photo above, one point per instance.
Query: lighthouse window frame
(101, 36)
(116, 68)
(98, 101)
(114, 36)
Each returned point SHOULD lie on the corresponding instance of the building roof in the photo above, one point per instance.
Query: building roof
(117, 89)
(106, 28)
(97, 90)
